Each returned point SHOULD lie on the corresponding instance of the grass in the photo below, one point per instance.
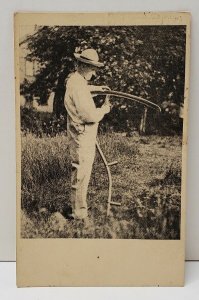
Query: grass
(147, 182)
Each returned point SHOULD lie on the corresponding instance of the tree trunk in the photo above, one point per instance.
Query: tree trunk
(58, 102)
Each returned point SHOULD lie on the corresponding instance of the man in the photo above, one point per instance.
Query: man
(82, 125)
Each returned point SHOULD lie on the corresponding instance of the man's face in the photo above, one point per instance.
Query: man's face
(90, 72)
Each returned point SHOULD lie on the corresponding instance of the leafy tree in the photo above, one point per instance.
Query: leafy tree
(148, 61)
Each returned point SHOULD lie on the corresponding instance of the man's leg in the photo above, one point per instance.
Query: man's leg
(88, 170)
(82, 150)
(78, 199)
(89, 154)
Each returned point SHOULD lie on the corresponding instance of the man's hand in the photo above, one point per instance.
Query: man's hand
(104, 88)
(98, 88)
(107, 100)
(107, 105)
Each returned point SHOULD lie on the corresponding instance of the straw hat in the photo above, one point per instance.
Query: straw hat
(89, 56)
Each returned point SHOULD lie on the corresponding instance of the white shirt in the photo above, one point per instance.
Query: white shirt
(79, 102)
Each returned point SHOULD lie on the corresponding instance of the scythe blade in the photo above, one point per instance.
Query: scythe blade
(130, 97)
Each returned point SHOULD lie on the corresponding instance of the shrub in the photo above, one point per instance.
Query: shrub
(41, 123)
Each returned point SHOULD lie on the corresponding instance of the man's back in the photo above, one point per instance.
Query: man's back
(79, 102)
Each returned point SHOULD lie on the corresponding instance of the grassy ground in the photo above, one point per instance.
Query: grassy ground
(146, 181)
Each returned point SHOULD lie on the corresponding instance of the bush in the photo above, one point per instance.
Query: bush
(118, 120)
(41, 123)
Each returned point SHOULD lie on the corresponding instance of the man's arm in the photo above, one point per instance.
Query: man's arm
(98, 88)
(85, 106)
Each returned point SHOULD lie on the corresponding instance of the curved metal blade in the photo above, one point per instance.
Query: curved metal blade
(130, 97)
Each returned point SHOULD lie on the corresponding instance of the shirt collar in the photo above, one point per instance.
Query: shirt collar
(81, 76)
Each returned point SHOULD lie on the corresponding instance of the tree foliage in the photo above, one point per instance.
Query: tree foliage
(147, 61)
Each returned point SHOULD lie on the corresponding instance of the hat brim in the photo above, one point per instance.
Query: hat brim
(87, 61)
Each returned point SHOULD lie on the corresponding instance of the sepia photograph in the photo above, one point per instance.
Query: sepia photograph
(101, 126)
(101, 121)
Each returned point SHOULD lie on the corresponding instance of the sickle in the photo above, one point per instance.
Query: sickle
(129, 97)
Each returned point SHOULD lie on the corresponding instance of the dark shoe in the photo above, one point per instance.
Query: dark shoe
(67, 212)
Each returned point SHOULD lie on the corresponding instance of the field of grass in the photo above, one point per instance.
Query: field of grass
(147, 182)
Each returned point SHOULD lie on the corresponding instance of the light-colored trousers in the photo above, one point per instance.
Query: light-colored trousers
(82, 145)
